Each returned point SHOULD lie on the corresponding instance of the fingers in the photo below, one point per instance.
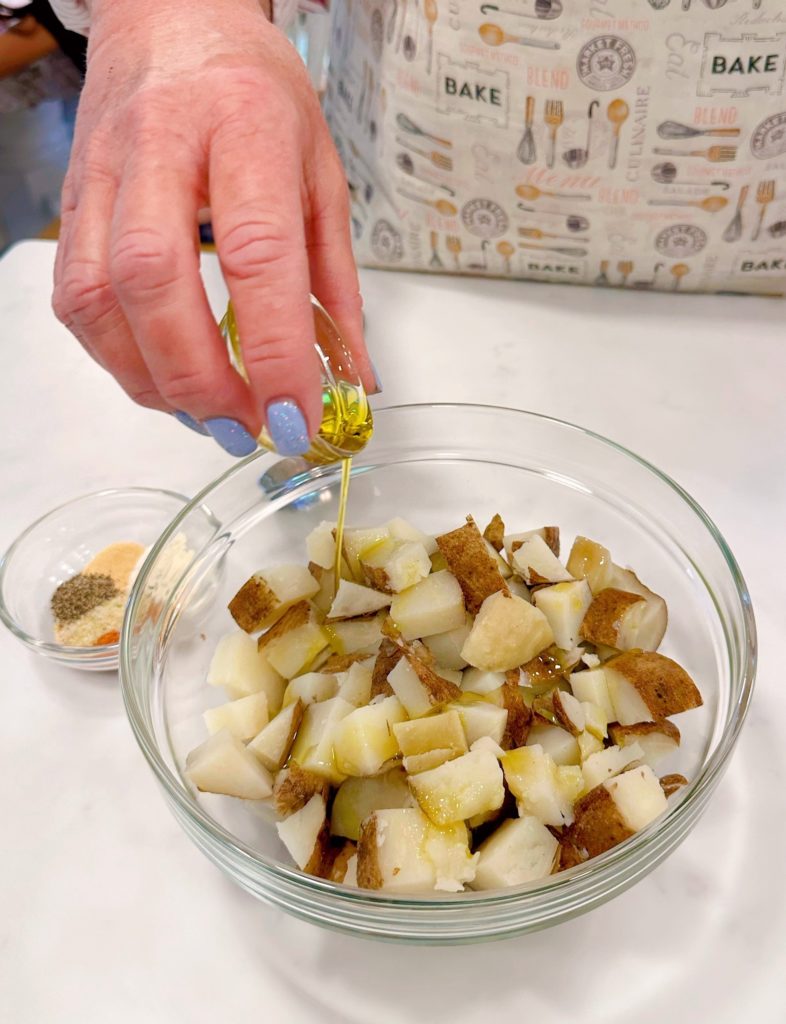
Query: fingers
(154, 269)
(255, 191)
(334, 277)
(83, 299)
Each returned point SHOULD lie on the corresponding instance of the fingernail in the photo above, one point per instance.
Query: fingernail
(287, 426)
(190, 422)
(377, 379)
(231, 435)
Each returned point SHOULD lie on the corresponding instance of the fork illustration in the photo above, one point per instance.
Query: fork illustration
(553, 117)
(765, 193)
(715, 154)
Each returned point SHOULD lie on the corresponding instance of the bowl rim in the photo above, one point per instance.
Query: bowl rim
(49, 647)
(605, 867)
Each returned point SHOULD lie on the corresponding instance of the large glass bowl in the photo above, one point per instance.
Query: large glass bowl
(434, 465)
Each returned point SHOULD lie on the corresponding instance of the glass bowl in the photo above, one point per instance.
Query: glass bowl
(435, 464)
(57, 547)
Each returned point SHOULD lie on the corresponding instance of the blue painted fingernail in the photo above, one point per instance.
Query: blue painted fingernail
(190, 422)
(377, 379)
(287, 426)
(231, 435)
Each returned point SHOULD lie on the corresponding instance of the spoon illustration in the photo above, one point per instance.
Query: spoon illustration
(532, 192)
(408, 125)
(506, 251)
(617, 113)
(537, 233)
(733, 232)
(666, 174)
(493, 35)
(442, 206)
(577, 158)
(546, 10)
(712, 204)
(678, 271)
(406, 164)
(573, 222)
(431, 12)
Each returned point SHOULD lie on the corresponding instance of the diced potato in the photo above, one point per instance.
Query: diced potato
(390, 654)
(591, 685)
(520, 850)
(617, 809)
(419, 688)
(401, 851)
(353, 600)
(241, 670)
(292, 644)
(608, 763)
(357, 542)
(556, 742)
(323, 598)
(564, 605)
(449, 674)
(402, 530)
(305, 835)
(506, 633)
(589, 744)
(356, 798)
(536, 563)
(656, 739)
(495, 532)
(645, 628)
(441, 735)
(569, 712)
(223, 765)
(590, 561)
(481, 682)
(532, 777)
(356, 636)
(393, 566)
(343, 864)
(513, 541)
(519, 720)
(468, 558)
(271, 747)
(671, 784)
(645, 686)
(267, 595)
(520, 589)
(435, 605)
(321, 545)
(416, 763)
(479, 718)
(313, 747)
(311, 688)
(459, 789)
(340, 664)
(354, 685)
(243, 718)
(619, 619)
(364, 740)
(446, 647)
(595, 721)
(505, 570)
(293, 788)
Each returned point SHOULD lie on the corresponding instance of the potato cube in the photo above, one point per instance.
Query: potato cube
(357, 542)
(400, 529)
(392, 566)
(305, 835)
(534, 779)
(511, 542)
(267, 595)
(241, 670)
(243, 718)
(590, 561)
(435, 605)
(520, 850)
(591, 685)
(311, 688)
(356, 636)
(479, 718)
(364, 740)
(535, 562)
(271, 747)
(321, 545)
(481, 682)
(418, 687)
(507, 633)
(313, 747)
(469, 560)
(293, 788)
(607, 763)
(645, 686)
(223, 765)
(656, 739)
(353, 600)
(357, 797)
(616, 810)
(354, 685)
(560, 745)
(440, 735)
(446, 647)
(564, 605)
(459, 789)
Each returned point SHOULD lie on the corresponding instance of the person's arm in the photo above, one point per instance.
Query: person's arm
(24, 44)
(186, 106)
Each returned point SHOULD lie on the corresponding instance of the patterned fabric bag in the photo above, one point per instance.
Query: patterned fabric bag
(622, 142)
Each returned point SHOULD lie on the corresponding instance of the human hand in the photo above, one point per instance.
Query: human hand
(187, 106)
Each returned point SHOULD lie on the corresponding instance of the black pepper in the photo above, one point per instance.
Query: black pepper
(81, 594)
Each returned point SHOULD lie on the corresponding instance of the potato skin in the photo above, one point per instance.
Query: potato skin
(601, 624)
(472, 565)
(664, 686)
(253, 604)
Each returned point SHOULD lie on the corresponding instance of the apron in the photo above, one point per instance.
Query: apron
(637, 143)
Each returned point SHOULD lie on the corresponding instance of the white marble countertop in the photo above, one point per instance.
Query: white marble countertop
(110, 914)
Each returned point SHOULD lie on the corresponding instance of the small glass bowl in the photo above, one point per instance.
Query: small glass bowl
(433, 465)
(58, 545)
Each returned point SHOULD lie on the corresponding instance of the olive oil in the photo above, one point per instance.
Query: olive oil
(347, 423)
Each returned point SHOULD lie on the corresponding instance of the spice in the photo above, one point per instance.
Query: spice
(88, 608)
(81, 594)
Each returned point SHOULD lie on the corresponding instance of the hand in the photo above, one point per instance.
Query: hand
(186, 106)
